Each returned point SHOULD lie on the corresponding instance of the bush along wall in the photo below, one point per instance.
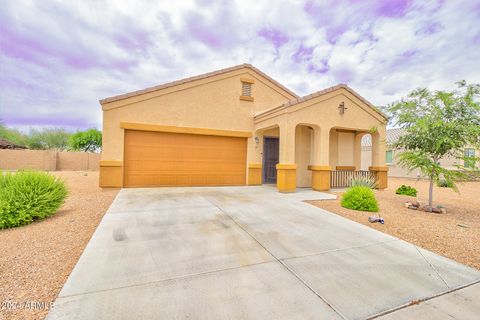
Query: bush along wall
(26, 196)
(360, 198)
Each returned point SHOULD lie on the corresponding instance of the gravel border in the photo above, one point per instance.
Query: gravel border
(455, 234)
(37, 259)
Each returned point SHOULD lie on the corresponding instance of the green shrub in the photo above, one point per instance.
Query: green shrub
(407, 190)
(365, 182)
(360, 198)
(442, 183)
(26, 196)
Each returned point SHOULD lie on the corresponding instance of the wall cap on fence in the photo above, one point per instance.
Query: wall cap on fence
(345, 168)
(319, 168)
(378, 168)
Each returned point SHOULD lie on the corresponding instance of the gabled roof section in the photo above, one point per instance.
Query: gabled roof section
(321, 93)
(194, 78)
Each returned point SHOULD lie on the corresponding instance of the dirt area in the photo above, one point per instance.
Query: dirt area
(37, 259)
(455, 234)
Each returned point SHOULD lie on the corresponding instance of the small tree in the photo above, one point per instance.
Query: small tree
(438, 124)
(47, 139)
(88, 141)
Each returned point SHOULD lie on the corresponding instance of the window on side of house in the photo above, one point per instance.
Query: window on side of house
(389, 157)
(246, 94)
(469, 163)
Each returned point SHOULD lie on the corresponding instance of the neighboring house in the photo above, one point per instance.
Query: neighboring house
(5, 144)
(391, 156)
(237, 126)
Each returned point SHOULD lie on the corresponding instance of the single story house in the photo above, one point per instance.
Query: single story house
(237, 126)
(391, 156)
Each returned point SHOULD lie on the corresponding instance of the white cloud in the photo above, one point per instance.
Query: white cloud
(61, 58)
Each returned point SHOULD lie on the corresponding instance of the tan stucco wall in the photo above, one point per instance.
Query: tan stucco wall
(207, 103)
(303, 155)
(48, 160)
(345, 149)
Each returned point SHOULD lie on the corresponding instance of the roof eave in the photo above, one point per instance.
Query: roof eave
(194, 78)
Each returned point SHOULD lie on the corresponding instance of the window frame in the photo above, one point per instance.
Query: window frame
(386, 157)
(246, 82)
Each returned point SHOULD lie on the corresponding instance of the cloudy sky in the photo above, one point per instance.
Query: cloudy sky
(58, 58)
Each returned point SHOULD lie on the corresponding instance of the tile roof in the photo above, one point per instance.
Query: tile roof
(194, 78)
(320, 93)
(392, 137)
(5, 144)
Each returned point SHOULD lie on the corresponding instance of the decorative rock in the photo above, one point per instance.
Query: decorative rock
(412, 207)
(436, 210)
(443, 210)
(408, 204)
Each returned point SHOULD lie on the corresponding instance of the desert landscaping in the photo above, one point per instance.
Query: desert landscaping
(37, 258)
(454, 234)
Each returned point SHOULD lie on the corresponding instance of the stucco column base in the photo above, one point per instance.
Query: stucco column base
(381, 176)
(254, 177)
(320, 177)
(286, 177)
(111, 174)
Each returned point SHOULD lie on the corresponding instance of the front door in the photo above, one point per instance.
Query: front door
(270, 159)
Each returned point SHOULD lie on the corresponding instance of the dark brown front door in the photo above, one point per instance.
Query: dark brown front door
(270, 159)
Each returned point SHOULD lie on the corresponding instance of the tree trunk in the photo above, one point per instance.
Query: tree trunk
(430, 195)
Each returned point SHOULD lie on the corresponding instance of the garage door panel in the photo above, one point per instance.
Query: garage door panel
(172, 159)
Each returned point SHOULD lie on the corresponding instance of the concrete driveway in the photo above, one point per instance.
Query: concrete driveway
(254, 253)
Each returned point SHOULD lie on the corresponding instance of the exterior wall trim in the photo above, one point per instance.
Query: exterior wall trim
(286, 166)
(247, 80)
(187, 130)
(246, 98)
(111, 163)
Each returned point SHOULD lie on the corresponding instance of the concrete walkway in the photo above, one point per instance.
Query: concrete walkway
(254, 253)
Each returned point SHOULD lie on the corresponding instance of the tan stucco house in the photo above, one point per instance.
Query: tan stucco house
(237, 126)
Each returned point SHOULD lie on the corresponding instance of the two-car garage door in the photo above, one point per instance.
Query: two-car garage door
(178, 159)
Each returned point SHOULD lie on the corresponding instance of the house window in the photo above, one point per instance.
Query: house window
(469, 163)
(246, 94)
(389, 157)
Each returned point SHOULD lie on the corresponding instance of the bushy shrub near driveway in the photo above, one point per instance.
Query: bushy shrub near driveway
(407, 191)
(26, 196)
(360, 198)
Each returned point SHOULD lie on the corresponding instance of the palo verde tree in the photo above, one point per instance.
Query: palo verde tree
(88, 141)
(438, 124)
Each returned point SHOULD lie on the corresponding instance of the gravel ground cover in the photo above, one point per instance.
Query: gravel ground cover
(36, 259)
(455, 234)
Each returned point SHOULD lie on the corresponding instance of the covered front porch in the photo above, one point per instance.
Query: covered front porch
(316, 143)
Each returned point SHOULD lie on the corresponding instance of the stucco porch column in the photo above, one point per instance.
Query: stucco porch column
(321, 169)
(357, 150)
(286, 168)
(378, 158)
